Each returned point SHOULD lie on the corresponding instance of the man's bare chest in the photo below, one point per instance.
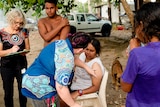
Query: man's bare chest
(52, 25)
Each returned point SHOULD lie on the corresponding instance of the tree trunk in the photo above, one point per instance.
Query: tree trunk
(109, 10)
(128, 11)
(138, 4)
(119, 10)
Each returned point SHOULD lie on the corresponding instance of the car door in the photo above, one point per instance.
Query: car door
(93, 23)
(81, 23)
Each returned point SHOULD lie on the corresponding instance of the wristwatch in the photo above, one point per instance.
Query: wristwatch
(80, 92)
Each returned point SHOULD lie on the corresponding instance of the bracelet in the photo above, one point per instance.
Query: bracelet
(80, 92)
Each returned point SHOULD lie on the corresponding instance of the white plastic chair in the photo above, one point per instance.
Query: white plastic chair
(95, 99)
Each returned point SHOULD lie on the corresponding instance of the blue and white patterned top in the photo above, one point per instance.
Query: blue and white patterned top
(54, 63)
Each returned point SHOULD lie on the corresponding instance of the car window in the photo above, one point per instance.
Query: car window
(91, 17)
(80, 17)
(70, 17)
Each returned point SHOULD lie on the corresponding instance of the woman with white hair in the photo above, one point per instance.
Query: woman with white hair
(13, 39)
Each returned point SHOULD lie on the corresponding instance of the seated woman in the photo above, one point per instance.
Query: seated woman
(83, 82)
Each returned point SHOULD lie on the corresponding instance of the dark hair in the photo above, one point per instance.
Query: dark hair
(96, 44)
(51, 1)
(79, 39)
(149, 15)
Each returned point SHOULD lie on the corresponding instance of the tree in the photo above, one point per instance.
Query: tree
(138, 4)
(128, 11)
(95, 2)
(36, 5)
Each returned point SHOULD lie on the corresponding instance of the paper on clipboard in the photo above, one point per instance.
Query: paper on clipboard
(15, 53)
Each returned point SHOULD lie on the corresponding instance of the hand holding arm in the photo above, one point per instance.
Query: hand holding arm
(65, 28)
(65, 95)
(79, 63)
(95, 82)
(64, 22)
(49, 35)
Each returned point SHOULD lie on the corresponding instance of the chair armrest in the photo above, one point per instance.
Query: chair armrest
(87, 96)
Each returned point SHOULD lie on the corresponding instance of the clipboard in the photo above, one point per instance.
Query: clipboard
(19, 52)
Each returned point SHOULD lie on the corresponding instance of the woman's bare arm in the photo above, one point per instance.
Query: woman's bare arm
(81, 64)
(126, 87)
(96, 81)
(65, 95)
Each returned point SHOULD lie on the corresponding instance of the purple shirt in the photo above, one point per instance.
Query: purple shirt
(143, 72)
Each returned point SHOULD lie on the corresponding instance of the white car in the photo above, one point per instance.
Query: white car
(89, 23)
(30, 21)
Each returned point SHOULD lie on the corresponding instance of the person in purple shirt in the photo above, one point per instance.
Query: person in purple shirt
(141, 77)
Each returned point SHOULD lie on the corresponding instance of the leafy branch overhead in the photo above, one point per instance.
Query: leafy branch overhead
(37, 5)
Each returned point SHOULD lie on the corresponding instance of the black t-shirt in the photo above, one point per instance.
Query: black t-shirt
(8, 42)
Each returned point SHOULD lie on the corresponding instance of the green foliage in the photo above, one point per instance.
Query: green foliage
(37, 5)
(83, 8)
(115, 2)
(96, 1)
(65, 6)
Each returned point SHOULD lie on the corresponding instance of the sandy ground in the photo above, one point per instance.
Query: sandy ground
(112, 47)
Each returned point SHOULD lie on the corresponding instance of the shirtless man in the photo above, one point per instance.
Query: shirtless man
(53, 27)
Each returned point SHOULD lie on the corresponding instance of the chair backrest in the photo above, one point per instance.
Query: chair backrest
(102, 90)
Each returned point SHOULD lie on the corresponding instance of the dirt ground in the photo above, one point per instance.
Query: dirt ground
(112, 47)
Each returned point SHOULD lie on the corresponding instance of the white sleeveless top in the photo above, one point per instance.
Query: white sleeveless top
(82, 79)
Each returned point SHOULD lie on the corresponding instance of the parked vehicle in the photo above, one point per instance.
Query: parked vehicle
(30, 21)
(31, 24)
(89, 23)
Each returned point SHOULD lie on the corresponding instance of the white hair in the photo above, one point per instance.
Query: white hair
(13, 14)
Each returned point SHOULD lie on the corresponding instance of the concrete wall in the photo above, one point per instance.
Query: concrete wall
(104, 12)
(114, 14)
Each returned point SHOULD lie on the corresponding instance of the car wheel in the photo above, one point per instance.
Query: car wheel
(106, 30)
(72, 29)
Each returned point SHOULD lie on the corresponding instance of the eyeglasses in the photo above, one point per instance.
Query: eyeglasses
(18, 23)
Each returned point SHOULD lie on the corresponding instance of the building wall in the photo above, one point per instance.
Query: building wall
(3, 22)
(104, 12)
(115, 12)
